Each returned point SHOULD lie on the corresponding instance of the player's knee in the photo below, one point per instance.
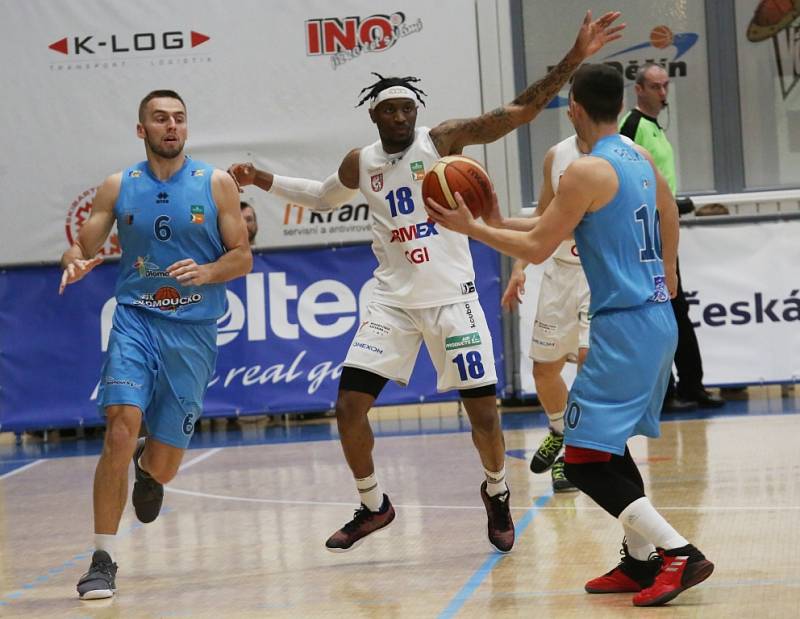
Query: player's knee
(485, 422)
(162, 473)
(120, 441)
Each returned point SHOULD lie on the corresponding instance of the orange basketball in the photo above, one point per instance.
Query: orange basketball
(661, 37)
(466, 176)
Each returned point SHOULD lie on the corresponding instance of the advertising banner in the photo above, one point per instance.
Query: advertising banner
(741, 281)
(670, 33)
(281, 343)
(275, 83)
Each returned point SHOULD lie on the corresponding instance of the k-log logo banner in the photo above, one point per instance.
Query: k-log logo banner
(287, 330)
(275, 86)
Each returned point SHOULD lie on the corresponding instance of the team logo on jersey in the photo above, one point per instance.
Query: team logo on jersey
(376, 182)
(198, 172)
(660, 290)
(167, 299)
(147, 269)
(417, 170)
(463, 341)
(414, 231)
(134, 174)
(198, 213)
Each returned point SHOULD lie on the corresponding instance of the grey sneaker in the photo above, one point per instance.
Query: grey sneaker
(98, 582)
(546, 454)
(560, 481)
(148, 494)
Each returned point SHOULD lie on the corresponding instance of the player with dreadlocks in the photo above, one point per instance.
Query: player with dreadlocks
(425, 288)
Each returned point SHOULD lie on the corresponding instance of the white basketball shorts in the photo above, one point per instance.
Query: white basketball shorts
(561, 325)
(457, 338)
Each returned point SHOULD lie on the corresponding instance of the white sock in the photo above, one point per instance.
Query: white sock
(643, 518)
(370, 492)
(638, 547)
(496, 481)
(557, 422)
(106, 542)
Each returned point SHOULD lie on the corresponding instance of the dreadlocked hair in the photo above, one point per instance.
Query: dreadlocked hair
(387, 82)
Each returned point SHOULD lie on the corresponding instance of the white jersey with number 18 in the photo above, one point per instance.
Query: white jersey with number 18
(419, 264)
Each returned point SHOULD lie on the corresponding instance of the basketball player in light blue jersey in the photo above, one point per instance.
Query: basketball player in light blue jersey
(625, 224)
(182, 236)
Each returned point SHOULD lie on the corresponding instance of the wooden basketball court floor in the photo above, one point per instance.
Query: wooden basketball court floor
(243, 526)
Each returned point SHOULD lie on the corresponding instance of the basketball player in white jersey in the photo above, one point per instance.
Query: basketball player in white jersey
(425, 290)
(561, 326)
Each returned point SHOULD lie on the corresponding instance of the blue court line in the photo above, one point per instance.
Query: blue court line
(484, 570)
(54, 571)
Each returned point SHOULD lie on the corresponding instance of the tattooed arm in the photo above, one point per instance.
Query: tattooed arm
(451, 136)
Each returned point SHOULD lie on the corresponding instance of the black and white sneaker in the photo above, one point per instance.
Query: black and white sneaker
(547, 453)
(98, 583)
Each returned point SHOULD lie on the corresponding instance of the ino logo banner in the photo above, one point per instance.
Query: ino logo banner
(345, 38)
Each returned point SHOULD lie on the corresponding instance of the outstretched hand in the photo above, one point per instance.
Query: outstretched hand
(243, 174)
(515, 289)
(593, 35)
(458, 219)
(76, 270)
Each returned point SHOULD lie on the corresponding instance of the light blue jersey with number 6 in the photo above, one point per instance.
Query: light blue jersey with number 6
(159, 223)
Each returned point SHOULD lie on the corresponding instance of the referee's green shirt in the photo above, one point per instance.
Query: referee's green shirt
(645, 131)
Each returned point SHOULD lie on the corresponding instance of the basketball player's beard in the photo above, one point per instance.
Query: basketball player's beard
(392, 145)
(164, 152)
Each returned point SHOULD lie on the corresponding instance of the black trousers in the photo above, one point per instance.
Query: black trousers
(687, 356)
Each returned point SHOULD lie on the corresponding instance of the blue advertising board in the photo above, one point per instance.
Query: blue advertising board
(281, 343)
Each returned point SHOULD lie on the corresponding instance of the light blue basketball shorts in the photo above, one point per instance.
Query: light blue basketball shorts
(162, 367)
(620, 389)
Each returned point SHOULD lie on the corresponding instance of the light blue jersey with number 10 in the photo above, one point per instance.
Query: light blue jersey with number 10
(620, 389)
(620, 244)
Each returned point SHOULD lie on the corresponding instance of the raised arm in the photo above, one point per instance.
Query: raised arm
(237, 259)
(335, 191)
(452, 136)
(82, 257)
